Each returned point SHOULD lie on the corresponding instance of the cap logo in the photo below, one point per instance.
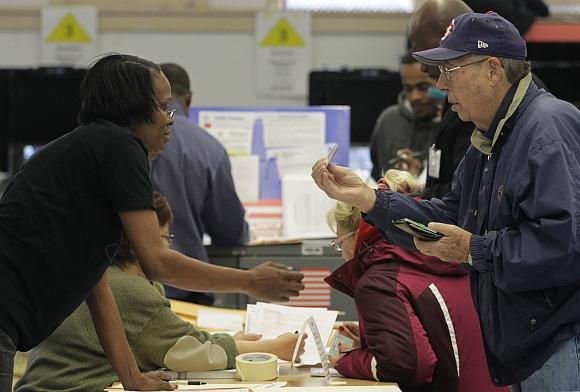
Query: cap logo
(449, 30)
(481, 44)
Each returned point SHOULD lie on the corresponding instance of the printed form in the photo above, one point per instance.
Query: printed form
(272, 320)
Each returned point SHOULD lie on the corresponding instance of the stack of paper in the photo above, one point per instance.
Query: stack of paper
(271, 320)
(217, 320)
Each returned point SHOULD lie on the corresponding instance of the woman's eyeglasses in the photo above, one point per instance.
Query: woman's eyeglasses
(168, 237)
(337, 243)
(170, 112)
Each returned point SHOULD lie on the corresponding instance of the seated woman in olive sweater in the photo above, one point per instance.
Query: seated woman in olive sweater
(72, 359)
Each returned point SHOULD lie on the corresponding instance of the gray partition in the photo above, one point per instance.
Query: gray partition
(308, 254)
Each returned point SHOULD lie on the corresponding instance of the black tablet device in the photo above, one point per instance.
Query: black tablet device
(418, 230)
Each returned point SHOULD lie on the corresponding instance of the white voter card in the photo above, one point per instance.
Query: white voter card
(332, 151)
(338, 338)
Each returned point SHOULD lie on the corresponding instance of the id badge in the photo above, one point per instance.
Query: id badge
(434, 162)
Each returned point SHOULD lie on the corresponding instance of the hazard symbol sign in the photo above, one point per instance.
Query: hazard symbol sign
(68, 36)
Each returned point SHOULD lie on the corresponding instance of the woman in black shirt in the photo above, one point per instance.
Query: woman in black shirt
(63, 214)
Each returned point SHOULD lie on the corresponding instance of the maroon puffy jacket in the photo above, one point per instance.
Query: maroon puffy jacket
(418, 325)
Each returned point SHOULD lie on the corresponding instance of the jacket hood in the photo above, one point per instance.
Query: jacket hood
(371, 248)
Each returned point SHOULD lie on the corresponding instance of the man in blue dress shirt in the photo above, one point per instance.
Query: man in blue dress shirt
(194, 173)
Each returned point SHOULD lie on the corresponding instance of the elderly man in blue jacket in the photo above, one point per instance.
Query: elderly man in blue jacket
(513, 213)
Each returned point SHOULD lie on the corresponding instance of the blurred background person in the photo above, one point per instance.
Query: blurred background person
(426, 27)
(404, 132)
(194, 173)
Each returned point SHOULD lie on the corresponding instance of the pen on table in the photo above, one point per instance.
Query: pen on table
(192, 382)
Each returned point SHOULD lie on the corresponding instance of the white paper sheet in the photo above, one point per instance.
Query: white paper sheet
(304, 208)
(296, 160)
(219, 320)
(234, 130)
(246, 175)
(251, 313)
(272, 320)
(286, 129)
(282, 53)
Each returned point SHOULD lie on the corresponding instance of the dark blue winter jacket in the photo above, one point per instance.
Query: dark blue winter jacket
(520, 199)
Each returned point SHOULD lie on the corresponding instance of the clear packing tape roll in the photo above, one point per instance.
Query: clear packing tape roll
(257, 366)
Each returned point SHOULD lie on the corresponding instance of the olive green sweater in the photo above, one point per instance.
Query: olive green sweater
(71, 359)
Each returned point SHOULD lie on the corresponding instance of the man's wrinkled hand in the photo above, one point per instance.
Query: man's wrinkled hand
(343, 184)
(454, 246)
(274, 282)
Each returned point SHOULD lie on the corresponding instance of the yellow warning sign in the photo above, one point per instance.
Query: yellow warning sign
(69, 30)
(283, 34)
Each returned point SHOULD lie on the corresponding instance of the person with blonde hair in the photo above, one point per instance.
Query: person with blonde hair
(417, 325)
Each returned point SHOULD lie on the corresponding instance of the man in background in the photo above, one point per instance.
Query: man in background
(194, 173)
(404, 132)
(427, 26)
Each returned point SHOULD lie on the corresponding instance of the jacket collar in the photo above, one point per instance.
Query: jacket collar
(484, 141)
(345, 277)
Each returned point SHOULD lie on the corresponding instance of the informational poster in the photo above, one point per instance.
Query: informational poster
(234, 130)
(293, 128)
(282, 45)
(68, 36)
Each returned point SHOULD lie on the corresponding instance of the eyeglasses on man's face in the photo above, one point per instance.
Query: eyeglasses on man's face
(337, 243)
(447, 71)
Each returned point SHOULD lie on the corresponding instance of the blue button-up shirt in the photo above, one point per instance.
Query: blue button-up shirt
(194, 174)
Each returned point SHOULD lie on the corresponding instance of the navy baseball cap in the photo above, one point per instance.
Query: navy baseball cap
(472, 33)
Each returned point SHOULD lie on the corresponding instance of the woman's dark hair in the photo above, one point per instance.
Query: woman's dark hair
(125, 255)
(119, 88)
